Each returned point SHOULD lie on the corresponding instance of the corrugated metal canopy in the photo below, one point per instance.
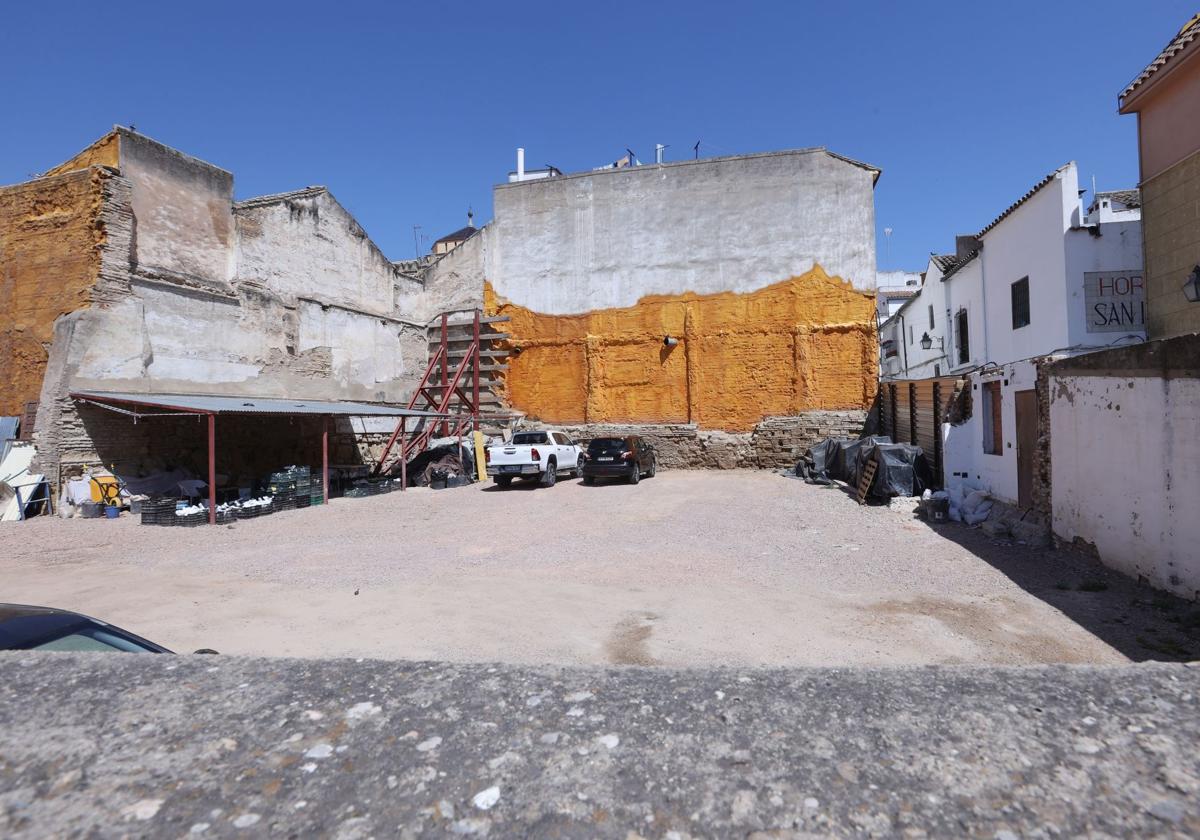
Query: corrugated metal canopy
(220, 404)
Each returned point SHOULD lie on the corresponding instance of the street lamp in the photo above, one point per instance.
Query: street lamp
(927, 342)
(1191, 286)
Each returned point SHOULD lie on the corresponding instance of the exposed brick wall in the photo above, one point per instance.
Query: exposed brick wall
(1171, 230)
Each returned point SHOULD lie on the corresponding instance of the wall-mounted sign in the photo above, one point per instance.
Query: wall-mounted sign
(1115, 301)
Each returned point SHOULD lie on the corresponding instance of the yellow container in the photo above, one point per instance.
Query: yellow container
(104, 488)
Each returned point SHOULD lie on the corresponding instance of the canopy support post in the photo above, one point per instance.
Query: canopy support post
(212, 469)
(325, 460)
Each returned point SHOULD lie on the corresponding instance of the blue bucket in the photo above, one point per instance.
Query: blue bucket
(112, 511)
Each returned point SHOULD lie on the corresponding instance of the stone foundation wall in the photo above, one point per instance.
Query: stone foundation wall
(774, 442)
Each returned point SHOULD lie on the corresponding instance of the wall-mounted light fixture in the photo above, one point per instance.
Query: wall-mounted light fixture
(668, 341)
(1191, 286)
(927, 342)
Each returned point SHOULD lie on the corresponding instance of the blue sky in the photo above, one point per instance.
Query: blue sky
(409, 113)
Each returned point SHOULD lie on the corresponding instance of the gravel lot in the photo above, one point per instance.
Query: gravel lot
(690, 568)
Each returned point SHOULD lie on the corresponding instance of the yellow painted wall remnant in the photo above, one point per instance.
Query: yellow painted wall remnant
(104, 152)
(805, 343)
(50, 242)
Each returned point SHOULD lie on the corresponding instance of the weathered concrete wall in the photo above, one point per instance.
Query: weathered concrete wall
(456, 281)
(605, 240)
(173, 746)
(1125, 457)
(306, 244)
(801, 344)
(50, 243)
(169, 296)
(184, 212)
(299, 302)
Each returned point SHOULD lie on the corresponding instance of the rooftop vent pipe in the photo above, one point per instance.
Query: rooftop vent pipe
(520, 164)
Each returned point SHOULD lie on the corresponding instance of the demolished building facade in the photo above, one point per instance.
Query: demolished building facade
(698, 300)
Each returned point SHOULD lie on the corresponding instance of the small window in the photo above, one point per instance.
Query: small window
(1020, 303)
(910, 335)
(962, 337)
(529, 438)
(931, 316)
(993, 429)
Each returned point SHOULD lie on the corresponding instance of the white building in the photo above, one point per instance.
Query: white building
(1045, 278)
(893, 289)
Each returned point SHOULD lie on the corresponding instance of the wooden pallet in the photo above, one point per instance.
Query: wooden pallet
(864, 481)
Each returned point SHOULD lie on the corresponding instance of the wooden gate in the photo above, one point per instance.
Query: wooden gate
(913, 410)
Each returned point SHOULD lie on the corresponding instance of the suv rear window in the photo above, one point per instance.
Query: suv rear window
(606, 443)
(526, 438)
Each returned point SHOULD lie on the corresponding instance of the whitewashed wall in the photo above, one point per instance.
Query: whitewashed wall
(964, 290)
(1029, 243)
(962, 446)
(1125, 456)
(606, 239)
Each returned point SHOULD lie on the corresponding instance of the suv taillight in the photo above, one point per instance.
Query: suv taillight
(626, 456)
(487, 456)
(534, 454)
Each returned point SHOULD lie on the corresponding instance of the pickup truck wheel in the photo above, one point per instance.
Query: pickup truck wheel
(504, 480)
(551, 474)
(636, 475)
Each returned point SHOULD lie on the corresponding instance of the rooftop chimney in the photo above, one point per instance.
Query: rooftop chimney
(520, 164)
(659, 148)
(964, 245)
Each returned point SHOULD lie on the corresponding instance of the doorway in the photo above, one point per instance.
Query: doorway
(1027, 422)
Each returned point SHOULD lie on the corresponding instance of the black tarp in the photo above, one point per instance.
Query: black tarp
(902, 469)
(815, 466)
(443, 458)
(845, 460)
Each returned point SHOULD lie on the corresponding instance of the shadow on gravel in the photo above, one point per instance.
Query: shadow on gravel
(1141, 622)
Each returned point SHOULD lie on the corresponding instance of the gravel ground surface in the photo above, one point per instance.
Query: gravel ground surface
(690, 568)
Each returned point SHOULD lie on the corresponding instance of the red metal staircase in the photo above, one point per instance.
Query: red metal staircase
(458, 356)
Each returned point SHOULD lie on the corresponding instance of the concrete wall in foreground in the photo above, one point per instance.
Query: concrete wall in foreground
(1125, 458)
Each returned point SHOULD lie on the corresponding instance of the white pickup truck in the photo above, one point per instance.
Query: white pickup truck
(543, 455)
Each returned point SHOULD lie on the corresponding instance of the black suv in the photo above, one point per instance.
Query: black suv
(628, 457)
